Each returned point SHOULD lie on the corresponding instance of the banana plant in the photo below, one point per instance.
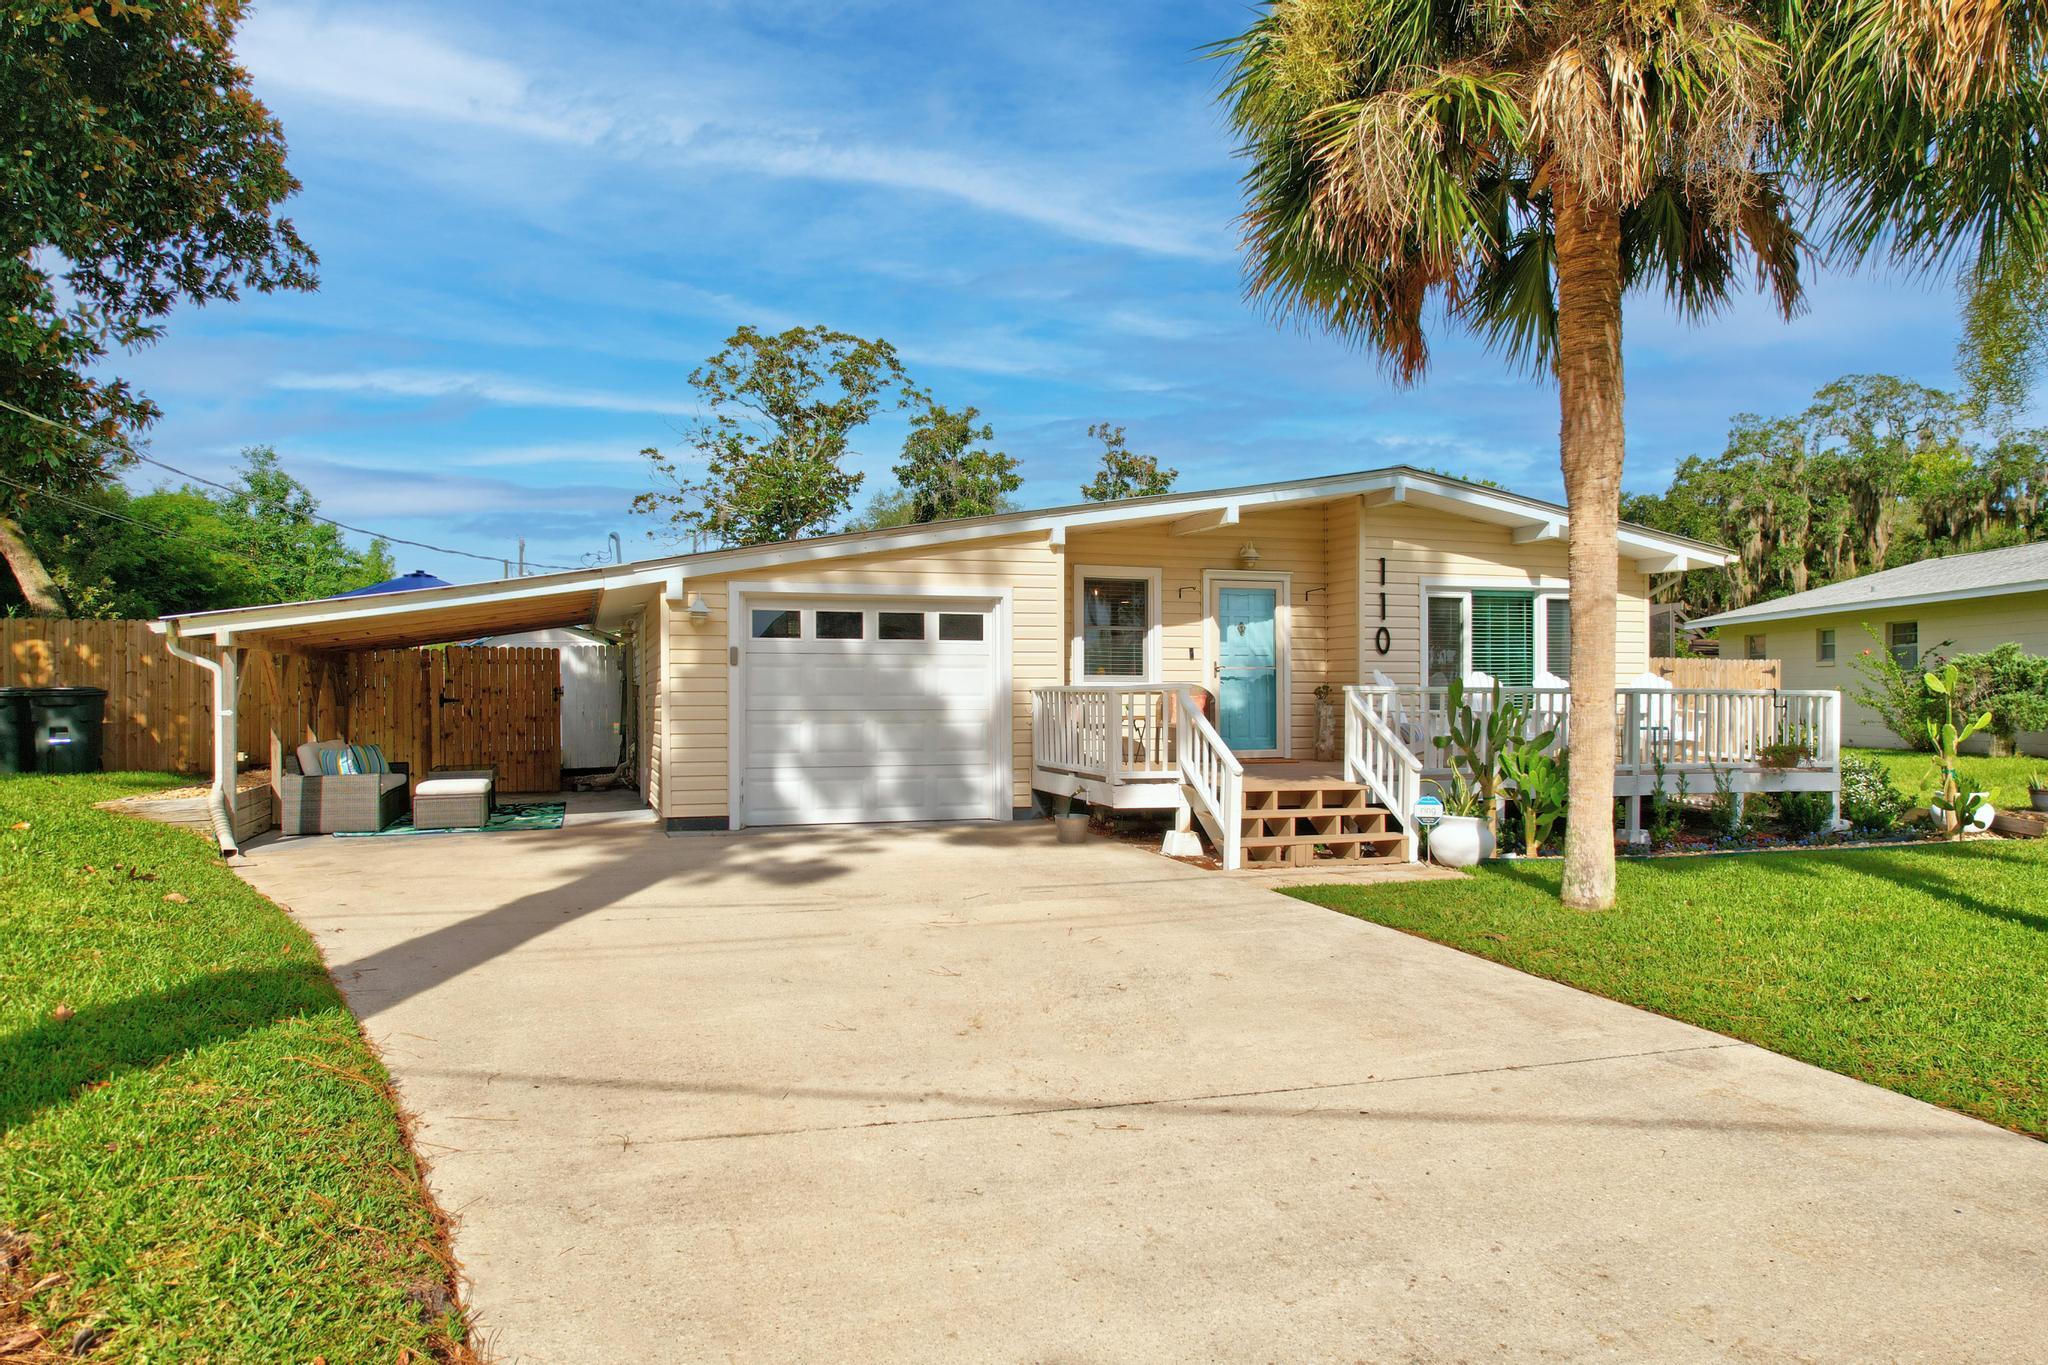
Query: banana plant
(1542, 789)
(1473, 742)
(1951, 803)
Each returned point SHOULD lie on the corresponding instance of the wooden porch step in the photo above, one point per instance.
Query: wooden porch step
(1382, 836)
(1304, 850)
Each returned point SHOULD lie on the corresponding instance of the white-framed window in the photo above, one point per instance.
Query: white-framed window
(1824, 646)
(1556, 626)
(1754, 647)
(1447, 638)
(1116, 624)
(1902, 638)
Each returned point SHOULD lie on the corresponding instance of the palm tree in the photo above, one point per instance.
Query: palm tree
(1524, 165)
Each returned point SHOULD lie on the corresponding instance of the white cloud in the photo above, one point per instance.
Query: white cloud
(1009, 189)
(388, 67)
(401, 71)
(487, 388)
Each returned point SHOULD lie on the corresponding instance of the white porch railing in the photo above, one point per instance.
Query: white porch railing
(1216, 778)
(1685, 728)
(1117, 734)
(1375, 757)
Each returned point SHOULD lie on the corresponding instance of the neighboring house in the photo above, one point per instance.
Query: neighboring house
(1954, 605)
(895, 674)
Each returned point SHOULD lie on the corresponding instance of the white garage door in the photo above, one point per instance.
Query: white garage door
(868, 710)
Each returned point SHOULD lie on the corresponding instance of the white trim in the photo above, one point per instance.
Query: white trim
(1540, 585)
(1154, 625)
(995, 601)
(1282, 582)
(1544, 597)
(1396, 484)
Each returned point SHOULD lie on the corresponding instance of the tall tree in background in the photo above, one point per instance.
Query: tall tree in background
(1876, 472)
(946, 473)
(138, 555)
(137, 172)
(1527, 164)
(782, 409)
(1124, 473)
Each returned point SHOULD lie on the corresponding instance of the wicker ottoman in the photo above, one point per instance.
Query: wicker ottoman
(452, 803)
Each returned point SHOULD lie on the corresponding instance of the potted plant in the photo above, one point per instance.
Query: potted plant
(1786, 753)
(1329, 709)
(2037, 790)
(1461, 838)
(1072, 823)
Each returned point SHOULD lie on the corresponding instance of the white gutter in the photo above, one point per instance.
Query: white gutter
(223, 729)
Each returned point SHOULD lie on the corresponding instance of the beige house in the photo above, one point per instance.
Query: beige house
(1958, 604)
(1161, 653)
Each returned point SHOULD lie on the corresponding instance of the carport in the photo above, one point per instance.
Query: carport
(321, 645)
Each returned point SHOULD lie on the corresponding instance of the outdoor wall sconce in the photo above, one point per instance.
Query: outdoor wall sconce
(1248, 556)
(699, 609)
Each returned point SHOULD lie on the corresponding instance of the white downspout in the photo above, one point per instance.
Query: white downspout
(224, 734)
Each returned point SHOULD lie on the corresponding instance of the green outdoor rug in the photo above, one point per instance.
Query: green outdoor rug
(508, 815)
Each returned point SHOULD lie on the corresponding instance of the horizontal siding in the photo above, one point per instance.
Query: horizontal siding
(695, 776)
(1423, 545)
(1293, 541)
(1968, 628)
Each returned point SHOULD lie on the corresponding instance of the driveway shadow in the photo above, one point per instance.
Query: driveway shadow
(48, 1063)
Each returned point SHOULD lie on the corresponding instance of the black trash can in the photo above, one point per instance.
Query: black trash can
(14, 750)
(64, 729)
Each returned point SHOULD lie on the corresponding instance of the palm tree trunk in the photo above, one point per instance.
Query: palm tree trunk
(1590, 445)
(37, 587)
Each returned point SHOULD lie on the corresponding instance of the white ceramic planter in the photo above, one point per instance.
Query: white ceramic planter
(1460, 841)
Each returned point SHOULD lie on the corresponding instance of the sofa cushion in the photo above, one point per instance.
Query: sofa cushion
(321, 757)
(369, 758)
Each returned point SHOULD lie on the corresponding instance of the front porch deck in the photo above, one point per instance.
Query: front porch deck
(1152, 748)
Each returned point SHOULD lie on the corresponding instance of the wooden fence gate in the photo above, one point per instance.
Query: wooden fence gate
(466, 706)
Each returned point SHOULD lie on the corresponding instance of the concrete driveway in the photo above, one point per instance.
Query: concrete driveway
(962, 1094)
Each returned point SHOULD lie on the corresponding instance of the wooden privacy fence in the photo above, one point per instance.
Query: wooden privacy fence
(1720, 673)
(466, 706)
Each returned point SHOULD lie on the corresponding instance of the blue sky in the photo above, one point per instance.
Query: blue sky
(535, 219)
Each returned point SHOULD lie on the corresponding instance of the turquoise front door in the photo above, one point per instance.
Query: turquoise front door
(1248, 666)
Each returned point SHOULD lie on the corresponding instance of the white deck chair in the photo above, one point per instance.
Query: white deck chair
(1660, 716)
(1397, 714)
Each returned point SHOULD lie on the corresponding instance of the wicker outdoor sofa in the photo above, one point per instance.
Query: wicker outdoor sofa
(360, 803)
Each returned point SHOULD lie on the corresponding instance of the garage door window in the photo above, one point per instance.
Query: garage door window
(954, 625)
(902, 625)
(840, 625)
(778, 625)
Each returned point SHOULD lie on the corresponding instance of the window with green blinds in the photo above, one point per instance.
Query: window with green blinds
(1504, 636)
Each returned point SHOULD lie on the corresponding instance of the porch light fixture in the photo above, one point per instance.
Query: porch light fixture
(699, 609)
(1248, 556)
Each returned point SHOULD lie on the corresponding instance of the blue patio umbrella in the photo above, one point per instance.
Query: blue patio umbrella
(411, 582)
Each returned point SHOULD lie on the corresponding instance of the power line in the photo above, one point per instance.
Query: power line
(109, 512)
(133, 453)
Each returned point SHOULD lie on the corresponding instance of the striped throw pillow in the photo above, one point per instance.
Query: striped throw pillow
(369, 758)
(331, 761)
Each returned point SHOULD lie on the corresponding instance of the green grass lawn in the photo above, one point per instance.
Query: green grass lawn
(1921, 968)
(2004, 778)
(194, 1136)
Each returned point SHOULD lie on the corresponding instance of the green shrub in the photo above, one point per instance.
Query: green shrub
(1871, 801)
(2007, 682)
(1805, 813)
